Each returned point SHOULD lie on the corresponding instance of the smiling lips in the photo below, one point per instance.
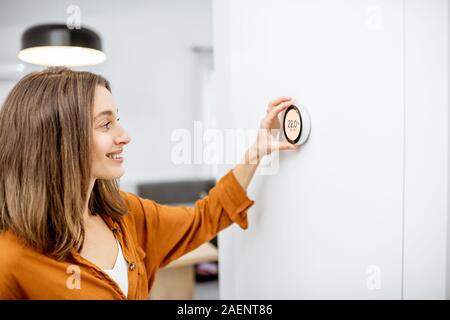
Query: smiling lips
(116, 156)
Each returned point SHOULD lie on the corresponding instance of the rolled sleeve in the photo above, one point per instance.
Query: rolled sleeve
(234, 199)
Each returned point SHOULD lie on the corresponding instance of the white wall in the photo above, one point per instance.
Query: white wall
(151, 65)
(360, 211)
(426, 149)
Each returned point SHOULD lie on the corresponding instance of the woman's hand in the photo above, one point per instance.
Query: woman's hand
(266, 142)
(268, 134)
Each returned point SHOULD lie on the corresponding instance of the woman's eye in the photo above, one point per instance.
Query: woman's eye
(107, 125)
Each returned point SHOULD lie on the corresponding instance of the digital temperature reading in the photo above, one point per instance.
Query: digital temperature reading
(292, 124)
(296, 124)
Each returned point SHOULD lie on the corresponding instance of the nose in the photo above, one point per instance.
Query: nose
(123, 138)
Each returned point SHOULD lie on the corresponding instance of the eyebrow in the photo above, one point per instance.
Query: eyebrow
(105, 113)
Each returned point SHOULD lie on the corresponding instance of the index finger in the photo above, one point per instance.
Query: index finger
(278, 100)
(282, 106)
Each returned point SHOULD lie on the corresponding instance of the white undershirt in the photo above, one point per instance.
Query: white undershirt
(119, 273)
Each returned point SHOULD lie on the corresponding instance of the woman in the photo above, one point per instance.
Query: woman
(66, 230)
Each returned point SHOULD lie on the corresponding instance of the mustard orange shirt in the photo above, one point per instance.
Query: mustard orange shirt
(151, 235)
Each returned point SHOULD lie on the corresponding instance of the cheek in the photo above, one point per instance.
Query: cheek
(102, 144)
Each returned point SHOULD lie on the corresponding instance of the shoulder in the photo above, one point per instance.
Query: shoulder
(12, 249)
(140, 218)
(10, 256)
(135, 203)
(139, 209)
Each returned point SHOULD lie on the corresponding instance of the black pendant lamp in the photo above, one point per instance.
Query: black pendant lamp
(57, 45)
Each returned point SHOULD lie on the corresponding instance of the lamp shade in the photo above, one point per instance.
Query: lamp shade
(57, 45)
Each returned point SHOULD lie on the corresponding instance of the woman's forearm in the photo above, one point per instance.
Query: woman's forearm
(246, 168)
(266, 142)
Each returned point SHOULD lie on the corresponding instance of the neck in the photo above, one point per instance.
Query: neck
(86, 207)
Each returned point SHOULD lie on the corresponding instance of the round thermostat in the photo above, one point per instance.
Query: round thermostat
(296, 124)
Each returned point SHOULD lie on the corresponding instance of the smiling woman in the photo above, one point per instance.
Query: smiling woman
(50, 180)
(66, 230)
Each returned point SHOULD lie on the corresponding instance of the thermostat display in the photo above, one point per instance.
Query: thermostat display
(296, 124)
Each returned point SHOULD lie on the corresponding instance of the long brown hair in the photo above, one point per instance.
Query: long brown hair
(45, 161)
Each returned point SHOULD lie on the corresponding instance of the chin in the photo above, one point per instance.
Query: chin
(111, 175)
(117, 176)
